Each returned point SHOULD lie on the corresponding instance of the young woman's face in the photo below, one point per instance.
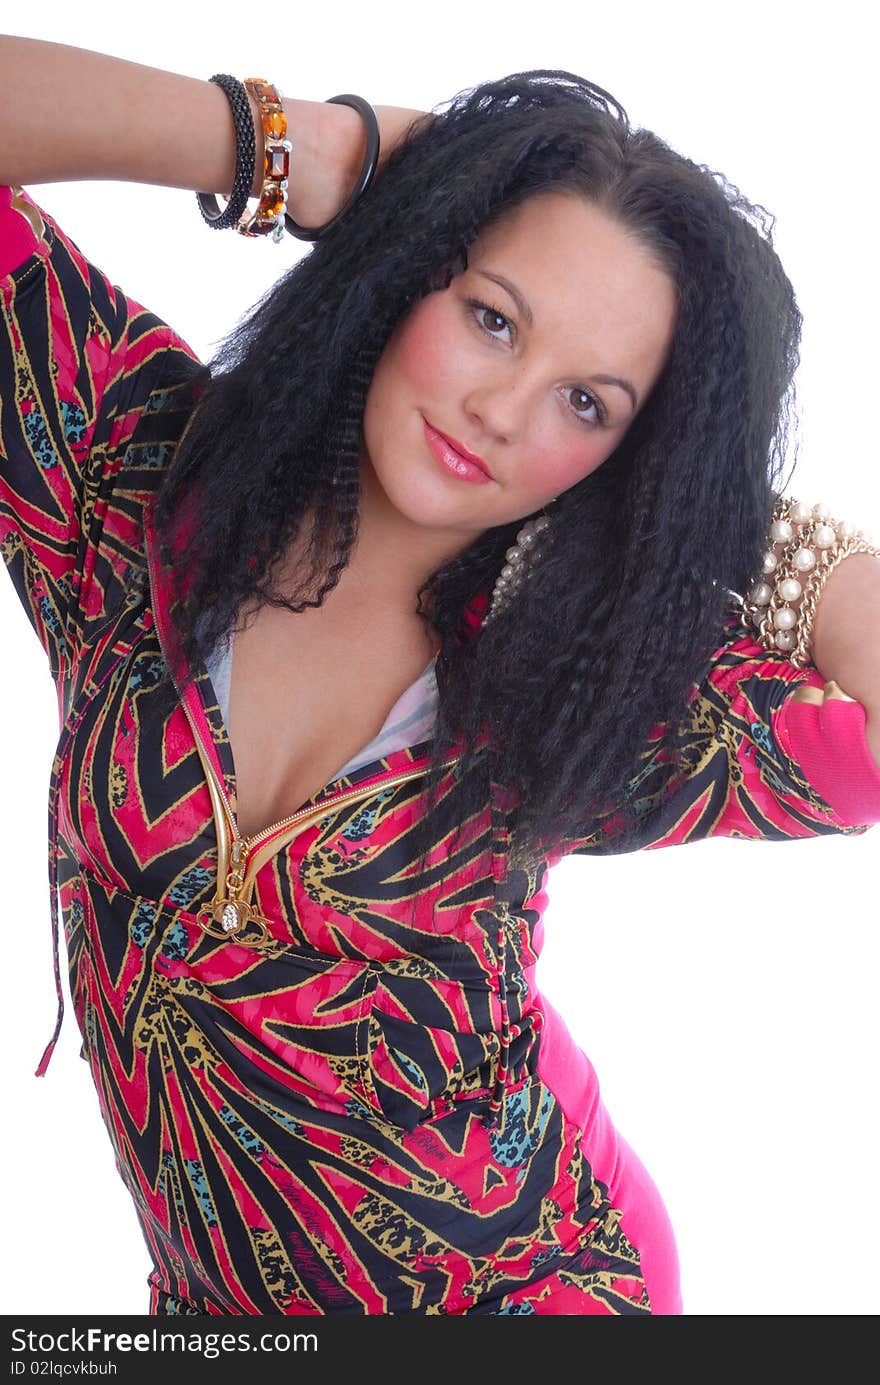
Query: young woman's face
(532, 363)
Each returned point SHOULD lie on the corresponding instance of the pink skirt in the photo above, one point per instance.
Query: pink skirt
(570, 1075)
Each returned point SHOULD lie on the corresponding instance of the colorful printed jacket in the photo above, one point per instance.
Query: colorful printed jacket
(319, 1101)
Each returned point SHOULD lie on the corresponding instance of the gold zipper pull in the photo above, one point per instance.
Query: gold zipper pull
(229, 916)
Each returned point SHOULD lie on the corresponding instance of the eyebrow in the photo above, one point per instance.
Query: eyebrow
(526, 312)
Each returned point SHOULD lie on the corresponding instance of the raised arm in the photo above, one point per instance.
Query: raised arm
(69, 114)
(81, 361)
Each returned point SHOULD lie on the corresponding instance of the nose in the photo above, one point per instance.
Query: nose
(501, 403)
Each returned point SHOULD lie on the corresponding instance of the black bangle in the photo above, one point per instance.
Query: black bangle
(365, 177)
(245, 158)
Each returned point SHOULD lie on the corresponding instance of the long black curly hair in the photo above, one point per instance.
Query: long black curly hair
(646, 550)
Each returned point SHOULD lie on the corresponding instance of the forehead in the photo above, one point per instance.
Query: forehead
(581, 270)
(560, 219)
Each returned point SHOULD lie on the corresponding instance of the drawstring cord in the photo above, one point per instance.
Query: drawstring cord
(53, 887)
(68, 730)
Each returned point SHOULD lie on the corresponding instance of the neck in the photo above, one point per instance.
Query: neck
(393, 556)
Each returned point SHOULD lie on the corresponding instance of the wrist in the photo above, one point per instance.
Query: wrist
(327, 144)
(872, 737)
(846, 631)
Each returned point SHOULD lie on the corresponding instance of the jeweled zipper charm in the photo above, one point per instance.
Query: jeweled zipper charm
(228, 916)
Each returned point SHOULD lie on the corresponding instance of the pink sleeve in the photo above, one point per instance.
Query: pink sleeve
(762, 756)
(823, 731)
(21, 229)
(82, 370)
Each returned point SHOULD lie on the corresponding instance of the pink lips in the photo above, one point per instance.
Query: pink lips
(456, 459)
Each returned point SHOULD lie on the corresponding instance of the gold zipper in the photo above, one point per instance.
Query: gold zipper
(231, 914)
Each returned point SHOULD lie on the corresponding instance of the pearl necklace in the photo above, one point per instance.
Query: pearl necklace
(521, 559)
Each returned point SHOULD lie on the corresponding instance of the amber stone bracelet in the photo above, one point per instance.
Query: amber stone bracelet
(268, 219)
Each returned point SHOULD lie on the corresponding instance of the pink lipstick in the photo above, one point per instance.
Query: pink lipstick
(461, 463)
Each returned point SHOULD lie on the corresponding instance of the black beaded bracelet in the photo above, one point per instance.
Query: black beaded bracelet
(245, 158)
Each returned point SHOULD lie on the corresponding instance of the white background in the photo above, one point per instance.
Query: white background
(726, 992)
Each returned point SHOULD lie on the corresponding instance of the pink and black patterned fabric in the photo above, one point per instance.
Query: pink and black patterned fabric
(363, 1105)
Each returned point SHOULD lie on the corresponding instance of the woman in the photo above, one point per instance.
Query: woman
(302, 917)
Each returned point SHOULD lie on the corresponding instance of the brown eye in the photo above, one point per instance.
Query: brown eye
(582, 402)
(488, 319)
(492, 321)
